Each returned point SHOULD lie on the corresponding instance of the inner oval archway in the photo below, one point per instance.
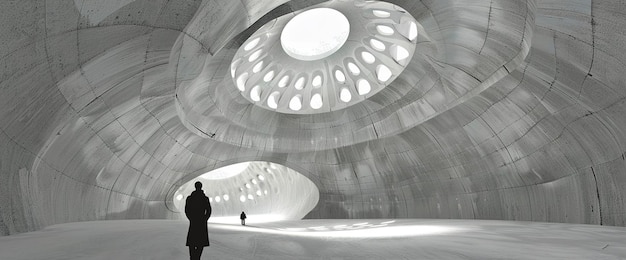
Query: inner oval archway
(266, 191)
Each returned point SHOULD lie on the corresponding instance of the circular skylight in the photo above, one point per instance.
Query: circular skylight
(315, 34)
(334, 55)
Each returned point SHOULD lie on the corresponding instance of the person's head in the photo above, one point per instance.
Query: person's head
(198, 185)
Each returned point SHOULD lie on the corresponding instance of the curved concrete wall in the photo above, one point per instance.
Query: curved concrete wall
(509, 110)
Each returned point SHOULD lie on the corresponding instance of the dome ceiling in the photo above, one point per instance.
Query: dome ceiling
(507, 110)
(326, 61)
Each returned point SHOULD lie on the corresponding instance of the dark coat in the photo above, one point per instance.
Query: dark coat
(198, 211)
(242, 216)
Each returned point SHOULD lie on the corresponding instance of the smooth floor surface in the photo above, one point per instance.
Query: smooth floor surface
(322, 239)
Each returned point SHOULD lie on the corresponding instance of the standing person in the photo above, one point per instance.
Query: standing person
(243, 218)
(198, 211)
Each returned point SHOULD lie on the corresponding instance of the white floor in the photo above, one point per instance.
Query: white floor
(322, 239)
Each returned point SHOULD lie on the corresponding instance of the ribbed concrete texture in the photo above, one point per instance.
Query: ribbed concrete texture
(509, 110)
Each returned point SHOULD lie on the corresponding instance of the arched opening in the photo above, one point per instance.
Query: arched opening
(266, 191)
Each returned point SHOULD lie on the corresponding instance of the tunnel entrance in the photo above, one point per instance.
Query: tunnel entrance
(266, 191)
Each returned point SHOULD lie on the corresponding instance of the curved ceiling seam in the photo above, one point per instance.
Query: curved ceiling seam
(533, 126)
(593, 52)
(62, 173)
(46, 47)
(412, 149)
(610, 130)
(90, 84)
(126, 163)
(54, 168)
(563, 130)
(504, 96)
(142, 104)
(374, 158)
(47, 61)
(443, 152)
(247, 11)
(594, 116)
(526, 22)
(532, 152)
(45, 42)
(430, 11)
(557, 32)
(461, 99)
(152, 27)
(116, 119)
(556, 67)
(505, 147)
(78, 27)
(488, 27)
(499, 188)
(555, 77)
(497, 134)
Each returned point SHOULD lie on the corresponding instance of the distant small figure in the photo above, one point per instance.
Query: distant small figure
(243, 218)
(198, 211)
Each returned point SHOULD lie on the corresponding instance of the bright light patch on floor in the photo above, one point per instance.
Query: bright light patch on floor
(315, 34)
(251, 219)
(358, 230)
